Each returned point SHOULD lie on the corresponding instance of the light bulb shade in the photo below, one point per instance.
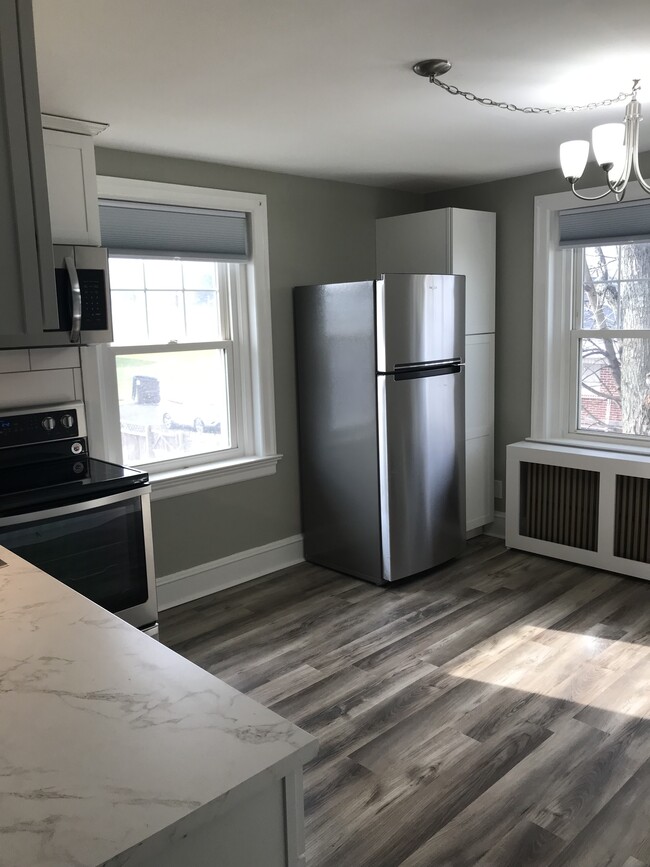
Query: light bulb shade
(573, 158)
(615, 174)
(607, 140)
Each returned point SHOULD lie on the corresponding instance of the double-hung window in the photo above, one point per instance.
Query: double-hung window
(591, 327)
(179, 381)
(610, 341)
(185, 389)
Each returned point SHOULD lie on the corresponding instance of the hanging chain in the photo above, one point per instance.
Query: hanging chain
(510, 106)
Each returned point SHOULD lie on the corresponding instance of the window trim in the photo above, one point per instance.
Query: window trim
(552, 357)
(260, 455)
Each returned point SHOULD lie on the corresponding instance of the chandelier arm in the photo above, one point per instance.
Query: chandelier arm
(593, 198)
(644, 184)
(631, 137)
(619, 186)
(637, 171)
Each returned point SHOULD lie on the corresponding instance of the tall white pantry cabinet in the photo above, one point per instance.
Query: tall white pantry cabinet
(458, 241)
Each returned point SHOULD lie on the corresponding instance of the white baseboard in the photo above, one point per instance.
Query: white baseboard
(180, 587)
(498, 526)
(474, 532)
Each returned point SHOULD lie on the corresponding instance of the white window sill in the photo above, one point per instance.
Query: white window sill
(594, 444)
(174, 483)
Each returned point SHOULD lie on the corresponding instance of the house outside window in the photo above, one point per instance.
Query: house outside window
(591, 326)
(185, 390)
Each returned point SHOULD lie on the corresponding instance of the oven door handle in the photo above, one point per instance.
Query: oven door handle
(73, 508)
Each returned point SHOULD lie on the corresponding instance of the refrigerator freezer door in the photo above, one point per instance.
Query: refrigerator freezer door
(420, 317)
(337, 404)
(421, 471)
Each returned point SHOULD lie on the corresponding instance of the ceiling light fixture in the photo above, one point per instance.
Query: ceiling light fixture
(616, 145)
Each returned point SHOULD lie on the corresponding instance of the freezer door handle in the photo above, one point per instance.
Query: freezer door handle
(443, 368)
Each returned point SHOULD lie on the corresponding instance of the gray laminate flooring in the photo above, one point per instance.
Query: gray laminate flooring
(493, 712)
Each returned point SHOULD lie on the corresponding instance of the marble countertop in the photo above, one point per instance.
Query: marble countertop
(107, 737)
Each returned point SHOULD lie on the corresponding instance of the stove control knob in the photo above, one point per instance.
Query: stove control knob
(76, 448)
(48, 423)
(67, 421)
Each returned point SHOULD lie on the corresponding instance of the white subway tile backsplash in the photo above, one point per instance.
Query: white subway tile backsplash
(36, 388)
(12, 360)
(52, 359)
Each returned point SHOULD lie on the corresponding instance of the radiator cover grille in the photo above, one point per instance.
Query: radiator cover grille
(583, 505)
(632, 519)
(560, 505)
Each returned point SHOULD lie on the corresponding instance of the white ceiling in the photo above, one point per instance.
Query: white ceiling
(324, 87)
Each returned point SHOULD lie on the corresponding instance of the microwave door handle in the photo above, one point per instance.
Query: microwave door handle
(75, 297)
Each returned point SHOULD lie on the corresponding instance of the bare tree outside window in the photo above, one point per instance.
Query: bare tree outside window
(614, 359)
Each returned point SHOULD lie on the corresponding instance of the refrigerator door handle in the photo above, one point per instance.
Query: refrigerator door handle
(421, 371)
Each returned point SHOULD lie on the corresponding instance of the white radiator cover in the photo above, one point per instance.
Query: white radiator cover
(614, 504)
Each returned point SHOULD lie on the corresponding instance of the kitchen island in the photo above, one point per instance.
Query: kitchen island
(114, 750)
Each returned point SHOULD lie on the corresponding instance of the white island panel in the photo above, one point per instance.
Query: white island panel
(110, 741)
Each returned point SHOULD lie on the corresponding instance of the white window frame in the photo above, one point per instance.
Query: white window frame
(554, 360)
(258, 456)
(235, 388)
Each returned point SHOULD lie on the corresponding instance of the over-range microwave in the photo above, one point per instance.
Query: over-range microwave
(82, 306)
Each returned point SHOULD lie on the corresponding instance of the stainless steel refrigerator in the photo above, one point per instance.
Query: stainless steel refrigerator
(381, 399)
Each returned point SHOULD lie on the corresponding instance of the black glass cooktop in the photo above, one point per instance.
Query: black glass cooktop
(62, 481)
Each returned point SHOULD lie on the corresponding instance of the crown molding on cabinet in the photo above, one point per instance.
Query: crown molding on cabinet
(72, 124)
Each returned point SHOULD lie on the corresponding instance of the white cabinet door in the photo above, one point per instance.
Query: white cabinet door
(479, 462)
(479, 429)
(473, 253)
(25, 242)
(72, 188)
(414, 243)
(479, 385)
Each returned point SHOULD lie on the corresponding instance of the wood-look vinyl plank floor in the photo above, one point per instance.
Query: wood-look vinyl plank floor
(495, 711)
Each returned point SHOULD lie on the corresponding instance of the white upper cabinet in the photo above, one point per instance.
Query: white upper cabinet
(445, 241)
(473, 253)
(25, 240)
(72, 187)
(34, 307)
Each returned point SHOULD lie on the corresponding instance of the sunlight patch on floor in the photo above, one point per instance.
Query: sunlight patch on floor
(613, 675)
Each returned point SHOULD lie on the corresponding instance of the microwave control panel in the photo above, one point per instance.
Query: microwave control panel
(94, 315)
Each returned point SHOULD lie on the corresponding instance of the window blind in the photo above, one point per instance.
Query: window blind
(606, 224)
(140, 227)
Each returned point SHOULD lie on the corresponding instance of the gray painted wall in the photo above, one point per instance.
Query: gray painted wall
(319, 231)
(513, 202)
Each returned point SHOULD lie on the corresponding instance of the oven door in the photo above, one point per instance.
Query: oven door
(101, 548)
